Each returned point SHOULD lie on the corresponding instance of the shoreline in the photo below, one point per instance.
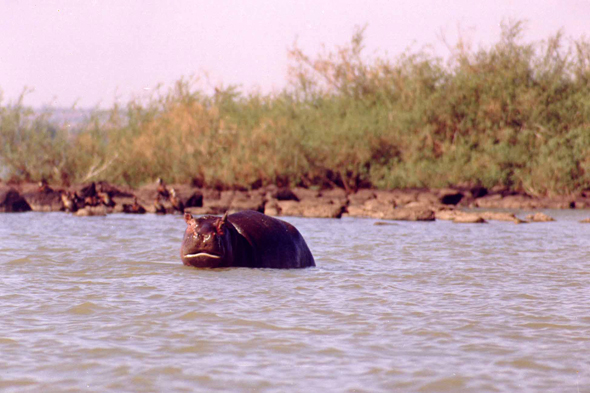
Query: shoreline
(453, 203)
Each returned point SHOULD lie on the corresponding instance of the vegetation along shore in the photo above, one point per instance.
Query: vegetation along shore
(512, 119)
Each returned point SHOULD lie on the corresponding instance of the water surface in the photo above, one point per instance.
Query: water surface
(104, 304)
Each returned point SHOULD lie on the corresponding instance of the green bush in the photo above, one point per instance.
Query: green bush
(514, 114)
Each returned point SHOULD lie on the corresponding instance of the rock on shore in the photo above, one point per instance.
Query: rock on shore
(11, 201)
(408, 205)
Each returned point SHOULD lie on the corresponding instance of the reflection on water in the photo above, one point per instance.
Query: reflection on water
(104, 304)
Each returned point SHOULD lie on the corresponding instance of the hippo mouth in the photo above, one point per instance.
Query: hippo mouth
(202, 254)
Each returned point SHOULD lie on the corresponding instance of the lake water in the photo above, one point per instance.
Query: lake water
(104, 304)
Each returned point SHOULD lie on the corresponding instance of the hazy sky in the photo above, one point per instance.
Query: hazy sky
(95, 52)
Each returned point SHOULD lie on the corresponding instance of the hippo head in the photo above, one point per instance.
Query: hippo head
(207, 242)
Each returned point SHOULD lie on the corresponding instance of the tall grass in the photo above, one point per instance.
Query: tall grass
(515, 114)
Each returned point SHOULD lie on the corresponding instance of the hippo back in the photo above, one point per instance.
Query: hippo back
(275, 243)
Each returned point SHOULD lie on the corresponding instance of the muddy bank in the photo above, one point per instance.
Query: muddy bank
(454, 204)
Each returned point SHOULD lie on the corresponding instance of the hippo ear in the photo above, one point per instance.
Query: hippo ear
(221, 224)
(188, 217)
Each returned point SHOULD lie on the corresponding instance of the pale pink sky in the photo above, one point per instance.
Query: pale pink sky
(96, 52)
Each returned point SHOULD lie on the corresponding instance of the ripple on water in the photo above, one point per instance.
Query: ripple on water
(106, 305)
(86, 308)
(19, 261)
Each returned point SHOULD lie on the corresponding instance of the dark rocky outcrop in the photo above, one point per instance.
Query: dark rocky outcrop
(450, 197)
(469, 218)
(48, 201)
(539, 217)
(114, 191)
(285, 194)
(194, 200)
(455, 204)
(476, 217)
(88, 211)
(319, 208)
(133, 208)
(11, 201)
(242, 202)
(409, 214)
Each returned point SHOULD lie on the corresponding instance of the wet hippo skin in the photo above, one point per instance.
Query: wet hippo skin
(244, 239)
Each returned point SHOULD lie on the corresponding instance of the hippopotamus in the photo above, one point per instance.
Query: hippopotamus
(244, 239)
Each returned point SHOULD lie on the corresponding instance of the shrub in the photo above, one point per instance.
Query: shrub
(514, 114)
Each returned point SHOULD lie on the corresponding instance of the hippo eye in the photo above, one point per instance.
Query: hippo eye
(207, 237)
